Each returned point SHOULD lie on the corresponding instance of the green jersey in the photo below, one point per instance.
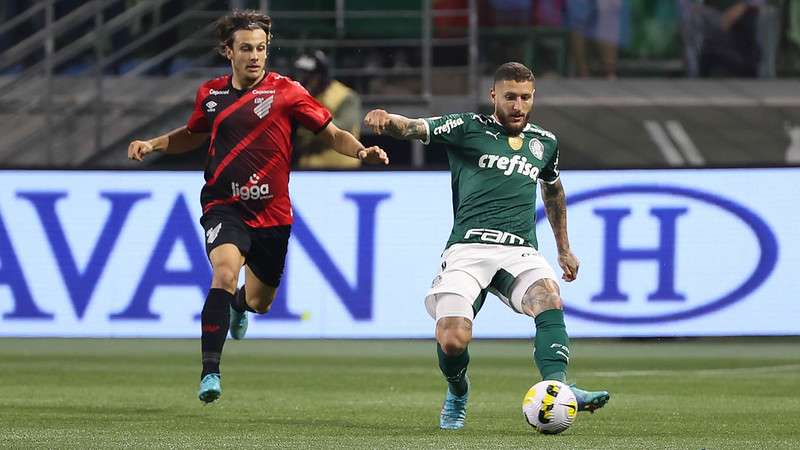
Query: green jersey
(494, 177)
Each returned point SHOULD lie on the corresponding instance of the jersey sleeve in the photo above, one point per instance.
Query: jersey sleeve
(550, 172)
(198, 123)
(308, 111)
(447, 129)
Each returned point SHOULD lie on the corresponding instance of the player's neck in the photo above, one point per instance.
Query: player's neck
(244, 84)
(509, 132)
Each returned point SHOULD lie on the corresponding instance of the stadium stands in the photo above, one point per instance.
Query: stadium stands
(95, 73)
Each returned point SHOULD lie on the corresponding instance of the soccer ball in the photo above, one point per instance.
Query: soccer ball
(550, 407)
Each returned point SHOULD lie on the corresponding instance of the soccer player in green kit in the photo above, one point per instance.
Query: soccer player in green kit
(495, 162)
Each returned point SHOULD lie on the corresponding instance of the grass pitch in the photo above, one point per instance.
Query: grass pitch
(687, 394)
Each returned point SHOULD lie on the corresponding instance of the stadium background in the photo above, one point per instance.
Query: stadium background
(683, 210)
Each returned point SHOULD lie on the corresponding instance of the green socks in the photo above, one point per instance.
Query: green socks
(551, 345)
(551, 353)
(454, 369)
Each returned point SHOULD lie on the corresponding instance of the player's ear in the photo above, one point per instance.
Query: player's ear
(228, 52)
(492, 94)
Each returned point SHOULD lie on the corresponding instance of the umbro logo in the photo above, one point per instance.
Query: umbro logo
(262, 109)
(212, 233)
(211, 105)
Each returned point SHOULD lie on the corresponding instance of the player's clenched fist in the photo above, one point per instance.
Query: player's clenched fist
(377, 120)
(138, 149)
(569, 264)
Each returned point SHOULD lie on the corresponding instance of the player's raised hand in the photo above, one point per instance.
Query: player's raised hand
(569, 264)
(377, 120)
(137, 150)
(373, 155)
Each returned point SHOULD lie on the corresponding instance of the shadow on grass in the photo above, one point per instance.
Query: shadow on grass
(342, 427)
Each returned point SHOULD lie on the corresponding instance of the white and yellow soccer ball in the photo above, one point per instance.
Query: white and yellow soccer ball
(550, 406)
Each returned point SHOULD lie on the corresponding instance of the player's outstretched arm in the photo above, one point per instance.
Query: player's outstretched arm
(395, 125)
(347, 144)
(555, 205)
(179, 140)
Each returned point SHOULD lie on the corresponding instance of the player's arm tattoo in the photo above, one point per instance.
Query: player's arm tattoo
(403, 128)
(555, 205)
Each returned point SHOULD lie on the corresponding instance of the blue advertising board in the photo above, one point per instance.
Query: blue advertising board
(663, 253)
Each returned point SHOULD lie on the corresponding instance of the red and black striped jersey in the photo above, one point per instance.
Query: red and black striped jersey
(250, 151)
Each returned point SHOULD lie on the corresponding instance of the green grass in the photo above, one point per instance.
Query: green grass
(687, 394)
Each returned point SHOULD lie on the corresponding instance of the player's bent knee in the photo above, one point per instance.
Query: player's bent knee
(454, 345)
(261, 305)
(535, 305)
(260, 298)
(453, 314)
(450, 349)
(225, 278)
(552, 301)
(262, 308)
(541, 296)
(453, 334)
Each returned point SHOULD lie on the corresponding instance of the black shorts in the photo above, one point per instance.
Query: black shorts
(264, 249)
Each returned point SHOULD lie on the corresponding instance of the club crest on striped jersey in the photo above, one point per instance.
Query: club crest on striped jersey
(263, 105)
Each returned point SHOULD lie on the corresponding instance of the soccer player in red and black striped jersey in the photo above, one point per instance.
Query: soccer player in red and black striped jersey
(249, 118)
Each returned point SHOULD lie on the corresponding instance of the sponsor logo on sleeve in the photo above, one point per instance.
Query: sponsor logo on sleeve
(448, 126)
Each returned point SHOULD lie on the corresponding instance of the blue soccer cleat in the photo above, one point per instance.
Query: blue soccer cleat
(210, 388)
(454, 410)
(238, 324)
(590, 400)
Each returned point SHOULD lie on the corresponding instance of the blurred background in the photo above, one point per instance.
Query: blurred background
(679, 134)
(706, 90)
(624, 83)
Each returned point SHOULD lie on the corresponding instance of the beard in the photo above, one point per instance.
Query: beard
(513, 129)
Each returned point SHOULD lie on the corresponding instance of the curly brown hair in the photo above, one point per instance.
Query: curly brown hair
(247, 19)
